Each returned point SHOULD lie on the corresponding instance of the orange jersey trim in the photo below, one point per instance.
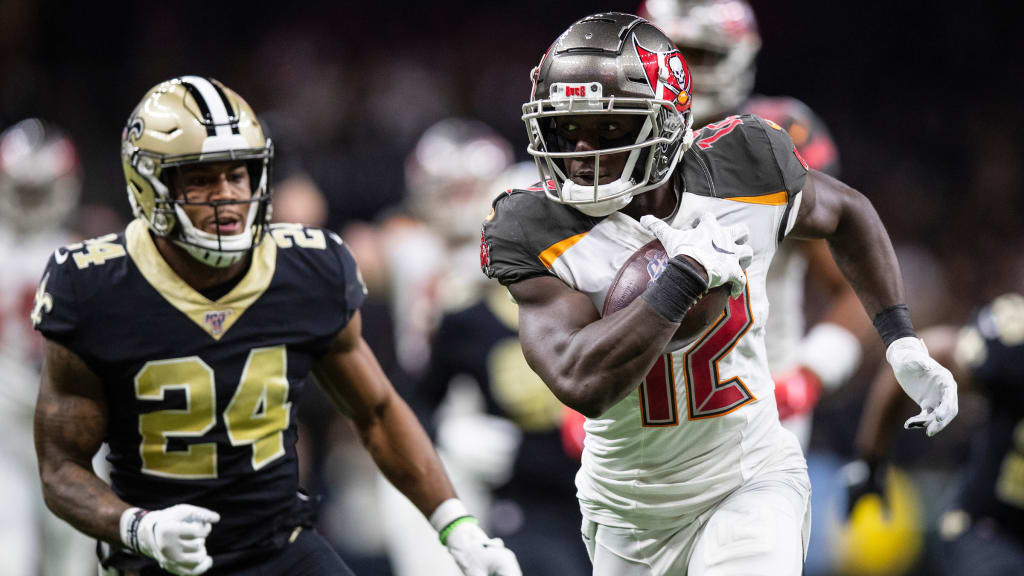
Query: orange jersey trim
(549, 256)
(777, 199)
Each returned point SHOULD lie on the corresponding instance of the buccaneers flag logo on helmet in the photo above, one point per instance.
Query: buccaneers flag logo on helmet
(667, 74)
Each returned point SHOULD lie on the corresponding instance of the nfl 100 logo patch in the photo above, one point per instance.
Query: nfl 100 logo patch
(214, 321)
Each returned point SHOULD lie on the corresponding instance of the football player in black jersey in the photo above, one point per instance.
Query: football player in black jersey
(686, 469)
(983, 532)
(186, 341)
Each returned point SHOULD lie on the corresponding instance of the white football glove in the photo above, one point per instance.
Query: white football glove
(175, 537)
(926, 381)
(722, 251)
(478, 555)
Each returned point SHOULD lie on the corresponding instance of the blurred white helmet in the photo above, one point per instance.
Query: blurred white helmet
(40, 176)
(450, 176)
(720, 41)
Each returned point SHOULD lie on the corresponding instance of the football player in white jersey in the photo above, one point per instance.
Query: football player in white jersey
(40, 182)
(719, 40)
(686, 469)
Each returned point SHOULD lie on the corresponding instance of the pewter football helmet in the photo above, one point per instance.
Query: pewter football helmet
(449, 174)
(614, 64)
(719, 40)
(191, 120)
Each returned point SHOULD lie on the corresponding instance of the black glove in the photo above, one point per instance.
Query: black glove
(862, 477)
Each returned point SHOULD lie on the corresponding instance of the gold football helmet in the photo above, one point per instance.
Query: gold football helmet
(190, 120)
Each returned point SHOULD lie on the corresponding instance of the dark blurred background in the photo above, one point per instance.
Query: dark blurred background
(922, 99)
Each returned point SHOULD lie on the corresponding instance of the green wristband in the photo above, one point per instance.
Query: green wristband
(451, 526)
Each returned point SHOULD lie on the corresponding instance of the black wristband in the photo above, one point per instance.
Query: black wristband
(894, 323)
(675, 291)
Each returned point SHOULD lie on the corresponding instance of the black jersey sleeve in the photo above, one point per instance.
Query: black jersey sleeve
(748, 156)
(507, 253)
(522, 225)
(351, 290)
(56, 312)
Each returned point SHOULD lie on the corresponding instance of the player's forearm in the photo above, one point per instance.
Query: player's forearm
(80, 498)
(605, 361)
(864, 253)
(403, 452)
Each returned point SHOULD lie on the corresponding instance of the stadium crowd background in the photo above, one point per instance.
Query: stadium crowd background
(922, 99)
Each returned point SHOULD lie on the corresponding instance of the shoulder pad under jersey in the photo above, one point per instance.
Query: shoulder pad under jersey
(522, 226)
(74, 274)
(322, 257)
(743, 157)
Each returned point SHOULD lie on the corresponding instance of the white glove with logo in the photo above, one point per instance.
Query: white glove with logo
(926, 381)
(722, 251)
(474, 552)
(175, 537)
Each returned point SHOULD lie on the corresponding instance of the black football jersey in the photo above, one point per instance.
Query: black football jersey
(992, 347)
(202, 395)
(744, 158)
(481, 341)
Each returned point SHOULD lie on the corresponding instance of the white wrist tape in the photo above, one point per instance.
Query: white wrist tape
(129, 527)
(447, 512)
(831, 352)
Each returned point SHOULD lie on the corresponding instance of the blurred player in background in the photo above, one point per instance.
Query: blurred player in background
(982, 532)
(511, 441)
(429, 256)
(186, 342)
(720, 486)
(40, 183)
(720, 41)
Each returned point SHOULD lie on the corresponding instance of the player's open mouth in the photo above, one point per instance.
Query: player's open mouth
(225, 224)
(586, 178)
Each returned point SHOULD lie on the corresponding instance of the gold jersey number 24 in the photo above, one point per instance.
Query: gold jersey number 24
(257, 414)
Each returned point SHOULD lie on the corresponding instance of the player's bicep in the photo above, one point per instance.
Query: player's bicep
(351, 376)
(71, 409)
(821, 206)
(550, 313)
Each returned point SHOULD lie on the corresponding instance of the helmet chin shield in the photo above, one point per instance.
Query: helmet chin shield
(610, 64)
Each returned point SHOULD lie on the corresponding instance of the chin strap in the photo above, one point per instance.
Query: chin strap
(209, 257)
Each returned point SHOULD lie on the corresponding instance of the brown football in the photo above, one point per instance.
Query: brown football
(640, 270)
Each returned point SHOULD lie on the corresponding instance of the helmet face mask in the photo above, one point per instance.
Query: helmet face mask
(613, 65)
(185, 122)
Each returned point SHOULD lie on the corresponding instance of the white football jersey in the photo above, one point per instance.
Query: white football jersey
(785, 288)
(704, 420)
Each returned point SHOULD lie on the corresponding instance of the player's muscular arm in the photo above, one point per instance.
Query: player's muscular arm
(858, 240)
(351, 376)
(589, 362)
(70, 420)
